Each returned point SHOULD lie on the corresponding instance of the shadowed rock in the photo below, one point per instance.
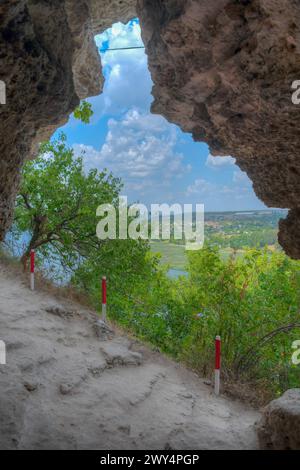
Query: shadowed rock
(222, 71)
(279, 428)
(117, 354)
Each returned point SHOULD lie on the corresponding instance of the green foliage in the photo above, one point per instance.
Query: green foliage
(245, 300)
(252, 302)
(57, 203)
(56, 210)
(84, 112)
(128, 266)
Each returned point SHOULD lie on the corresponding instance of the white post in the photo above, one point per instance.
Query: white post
(217, 364)
(217, 382)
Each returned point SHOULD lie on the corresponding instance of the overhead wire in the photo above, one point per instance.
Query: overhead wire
(122, 48)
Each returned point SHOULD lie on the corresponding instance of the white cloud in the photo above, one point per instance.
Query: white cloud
(219, 162)
(139, 148)
(200, 187)
(240, 188)
(120, 35)
(127, 79)
(241, 178)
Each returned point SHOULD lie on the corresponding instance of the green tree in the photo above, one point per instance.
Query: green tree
(56, 215)
(57, 202)
(84, 112)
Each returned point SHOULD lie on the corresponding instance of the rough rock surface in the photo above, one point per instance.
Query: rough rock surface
(63, 387)
(105, 13)
(49, 61)
(279, 428)
(223, 70)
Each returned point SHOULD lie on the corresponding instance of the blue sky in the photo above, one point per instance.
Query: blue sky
(156, 161)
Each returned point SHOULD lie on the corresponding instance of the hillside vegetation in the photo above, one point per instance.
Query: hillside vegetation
(251, 296)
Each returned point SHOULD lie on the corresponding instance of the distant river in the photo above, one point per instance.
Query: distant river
(175, 273)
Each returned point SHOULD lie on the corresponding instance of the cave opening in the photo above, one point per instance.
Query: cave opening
(156, 160)
(237, 297)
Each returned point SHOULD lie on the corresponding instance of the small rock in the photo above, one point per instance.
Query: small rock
(186, 395)
(102, 330)
(168, 446)
(125, 429)
(65, 389)
(117, 354)
(61, 312)
(31, 387)
(69, 386)
(207, 382)
(96, 371)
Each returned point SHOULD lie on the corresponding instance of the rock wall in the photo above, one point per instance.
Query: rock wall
(48, 61)
(36, 51)
(279, 427)
(222, 70)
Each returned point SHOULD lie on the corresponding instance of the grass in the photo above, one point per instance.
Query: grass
(171, 254)
(175, 255)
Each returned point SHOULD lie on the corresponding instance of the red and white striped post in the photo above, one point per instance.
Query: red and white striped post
(104, 299)
(217, 364)
(32, 269)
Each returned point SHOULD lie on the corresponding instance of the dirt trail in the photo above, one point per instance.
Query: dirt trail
(66, 387)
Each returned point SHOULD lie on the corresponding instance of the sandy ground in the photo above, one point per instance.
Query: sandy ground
(66, 385)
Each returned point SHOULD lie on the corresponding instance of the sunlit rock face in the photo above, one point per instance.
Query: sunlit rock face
(223, 71)
(104, 13)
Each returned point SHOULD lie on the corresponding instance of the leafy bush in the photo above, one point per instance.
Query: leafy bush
(252, 302)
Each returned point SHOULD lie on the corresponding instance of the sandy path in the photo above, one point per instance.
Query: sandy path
(65, 388)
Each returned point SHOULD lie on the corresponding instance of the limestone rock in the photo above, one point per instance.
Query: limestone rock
(49, 61)
(279, 428)
(223, 71)
(105, 13)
